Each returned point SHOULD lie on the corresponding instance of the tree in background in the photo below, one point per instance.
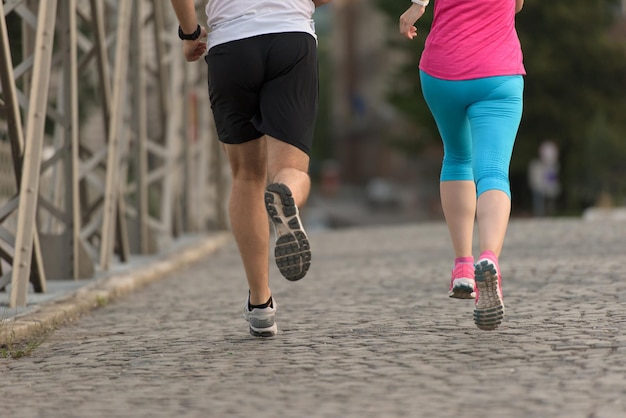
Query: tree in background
(405, 92)
(575, 95)
(323, 148)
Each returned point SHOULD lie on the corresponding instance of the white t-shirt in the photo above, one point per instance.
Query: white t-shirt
(230, 20)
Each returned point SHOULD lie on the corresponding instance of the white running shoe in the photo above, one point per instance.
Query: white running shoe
(262, 323)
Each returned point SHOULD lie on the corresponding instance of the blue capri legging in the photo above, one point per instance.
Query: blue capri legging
(478, 121)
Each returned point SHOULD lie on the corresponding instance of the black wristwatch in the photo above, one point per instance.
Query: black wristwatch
(190, 37)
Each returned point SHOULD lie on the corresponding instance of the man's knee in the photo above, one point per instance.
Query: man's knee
(248, 161)
(282, 155)
(254, 172)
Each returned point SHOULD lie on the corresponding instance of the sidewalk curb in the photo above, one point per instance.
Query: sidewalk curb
(49, 315)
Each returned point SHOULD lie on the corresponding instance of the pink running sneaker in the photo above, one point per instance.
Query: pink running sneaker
(462, 284)
(489, 308)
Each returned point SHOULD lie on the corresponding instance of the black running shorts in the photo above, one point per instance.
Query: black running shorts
(265, 84)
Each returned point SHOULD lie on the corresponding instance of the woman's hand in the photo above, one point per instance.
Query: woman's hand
(408, 19)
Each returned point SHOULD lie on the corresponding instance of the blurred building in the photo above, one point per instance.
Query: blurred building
(363, 121)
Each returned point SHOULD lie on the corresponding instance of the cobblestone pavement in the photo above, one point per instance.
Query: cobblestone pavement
(370, 332)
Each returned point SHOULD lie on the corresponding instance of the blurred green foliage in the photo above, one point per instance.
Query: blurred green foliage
(575, 95)
(323, 139)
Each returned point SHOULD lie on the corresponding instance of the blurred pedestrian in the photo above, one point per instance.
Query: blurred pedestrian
(263, 87)
(471, 73)
(543, 179)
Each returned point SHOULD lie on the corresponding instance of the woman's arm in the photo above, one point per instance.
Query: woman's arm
(518, 5)
(408, 19)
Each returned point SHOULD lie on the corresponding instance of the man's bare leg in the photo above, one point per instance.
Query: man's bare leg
(289, 186)
(289, 165)
(248, 218)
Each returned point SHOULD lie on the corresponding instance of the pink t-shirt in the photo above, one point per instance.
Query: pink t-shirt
(472, 39)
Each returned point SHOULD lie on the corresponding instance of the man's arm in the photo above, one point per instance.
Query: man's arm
(319, 3)
(186, 13)
(518, 5)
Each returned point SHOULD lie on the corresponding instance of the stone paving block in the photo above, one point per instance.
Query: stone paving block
(370, 332)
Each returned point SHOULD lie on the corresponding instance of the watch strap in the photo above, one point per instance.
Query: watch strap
(191, 36)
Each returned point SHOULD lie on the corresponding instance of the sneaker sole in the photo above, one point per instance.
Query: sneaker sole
(265, 332)
(462, 289)
(292, 251)
(489, 309)
(266, 325)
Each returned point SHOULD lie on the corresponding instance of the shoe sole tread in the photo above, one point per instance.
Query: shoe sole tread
(462, 289)
(292, 250)
(489, 309)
